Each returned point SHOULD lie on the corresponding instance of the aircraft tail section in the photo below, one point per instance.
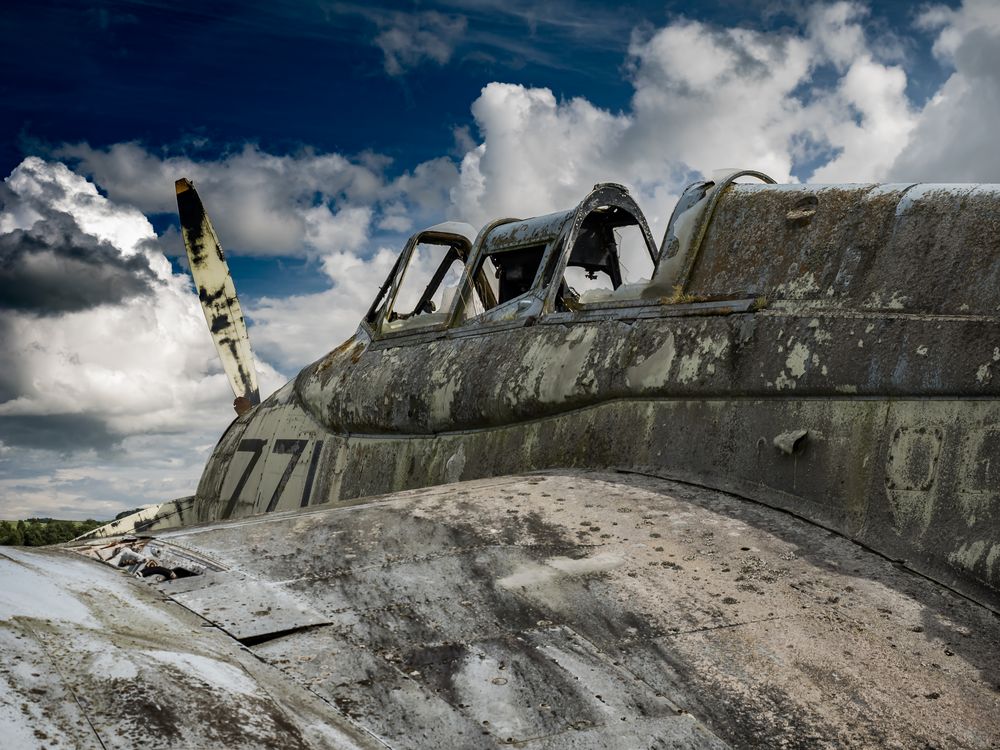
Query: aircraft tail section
(218, 296)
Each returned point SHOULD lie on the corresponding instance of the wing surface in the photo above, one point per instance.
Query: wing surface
(574, 610)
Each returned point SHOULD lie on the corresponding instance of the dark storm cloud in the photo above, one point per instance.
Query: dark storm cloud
(54, 268)
(12, 380)
(63, 433)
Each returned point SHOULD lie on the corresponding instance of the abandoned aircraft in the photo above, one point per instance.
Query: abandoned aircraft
(568, 488)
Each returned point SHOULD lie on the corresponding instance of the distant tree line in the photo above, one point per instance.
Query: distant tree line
(35, 532)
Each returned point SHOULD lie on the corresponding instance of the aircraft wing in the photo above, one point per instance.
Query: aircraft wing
(554, 610)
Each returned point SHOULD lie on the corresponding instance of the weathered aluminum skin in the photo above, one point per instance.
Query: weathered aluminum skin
(573, 610)
(865, 316)
(93, 659)
(919, 249)
(168, 515)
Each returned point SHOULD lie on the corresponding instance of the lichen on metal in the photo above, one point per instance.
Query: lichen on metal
(856, 314)
(408, 544)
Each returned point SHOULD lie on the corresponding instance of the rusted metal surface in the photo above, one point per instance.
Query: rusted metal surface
(493, 380)
(604, 611)
(864, 316)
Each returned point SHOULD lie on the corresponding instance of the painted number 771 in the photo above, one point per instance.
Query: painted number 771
(294, 449)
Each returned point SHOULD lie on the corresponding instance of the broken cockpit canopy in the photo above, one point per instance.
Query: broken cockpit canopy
(608, 253)
(597, 250)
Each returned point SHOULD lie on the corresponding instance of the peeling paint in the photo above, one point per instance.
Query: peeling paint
(653, 370)
(527, 576)
(796, 360)
(707, 348)
(968, 555)
(799, 288)
(455, 465)
(897, 301)
(984, 373)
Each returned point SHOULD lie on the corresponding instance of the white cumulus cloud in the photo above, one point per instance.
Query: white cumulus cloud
(304, 204)
(299, 329)
(955, 137)
(409, 39)
(705, 98)
(88, 379)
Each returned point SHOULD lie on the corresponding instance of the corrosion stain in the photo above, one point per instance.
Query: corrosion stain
(220, 323)
(207, 297)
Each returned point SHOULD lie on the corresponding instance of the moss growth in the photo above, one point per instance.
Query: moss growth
(680, 297)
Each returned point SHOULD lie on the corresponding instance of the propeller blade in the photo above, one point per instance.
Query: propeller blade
(217, 294)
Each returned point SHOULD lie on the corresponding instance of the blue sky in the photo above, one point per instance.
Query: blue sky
(184, 78)
(288, 74)
(181, 77)
(321, 134)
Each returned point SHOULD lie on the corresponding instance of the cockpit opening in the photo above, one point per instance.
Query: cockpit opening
(610, 253)
(519, 269)
(510, 272)
(426, 288)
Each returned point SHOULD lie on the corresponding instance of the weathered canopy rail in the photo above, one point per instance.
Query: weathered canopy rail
(828, 350)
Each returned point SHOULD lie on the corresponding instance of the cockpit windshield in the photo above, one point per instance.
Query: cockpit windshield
(425, 283)
(511, 272)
